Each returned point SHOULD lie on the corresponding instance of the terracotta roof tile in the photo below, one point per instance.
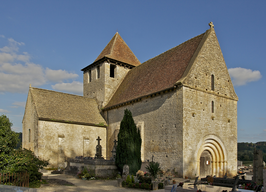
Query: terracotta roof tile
(58, 106)
(117, 49)
(156, 74)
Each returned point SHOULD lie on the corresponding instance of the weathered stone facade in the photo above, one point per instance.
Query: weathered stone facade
(183, 102)
(102, 88)
(58, 141)
(53, 134)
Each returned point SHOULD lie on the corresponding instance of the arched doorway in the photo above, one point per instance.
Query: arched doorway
(211, 157)
(205, 164)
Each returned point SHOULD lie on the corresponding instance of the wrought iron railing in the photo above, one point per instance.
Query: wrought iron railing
(16, 179)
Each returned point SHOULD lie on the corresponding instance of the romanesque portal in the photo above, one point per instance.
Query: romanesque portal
(211, 157)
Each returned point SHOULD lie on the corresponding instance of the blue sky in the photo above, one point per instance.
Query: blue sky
(46, 43)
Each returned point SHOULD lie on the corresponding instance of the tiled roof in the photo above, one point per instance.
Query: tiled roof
(52, 105)
(156, 74)
(118, 50)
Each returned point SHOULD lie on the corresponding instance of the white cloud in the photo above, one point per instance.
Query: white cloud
(4, 111)
(16, 129)
(18, 104)
(59, 75)
(241, 76)
(74, 87)
(2, 36)
(17, 72)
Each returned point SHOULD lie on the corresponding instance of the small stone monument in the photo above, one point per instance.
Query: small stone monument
(125, 172)
(114, 151)
(258, 167)
(98, 149)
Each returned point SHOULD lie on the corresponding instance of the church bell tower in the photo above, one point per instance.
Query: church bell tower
(104, 75)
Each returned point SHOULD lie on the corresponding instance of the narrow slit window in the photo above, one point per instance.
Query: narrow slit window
(29, 135)
(212, 82)
(98, 72)
(212, 106)
(89, 75)
(112, 71)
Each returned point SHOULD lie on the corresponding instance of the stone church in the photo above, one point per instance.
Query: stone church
(183, 102)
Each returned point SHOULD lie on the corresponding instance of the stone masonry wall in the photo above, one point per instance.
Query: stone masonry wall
(200, 123)
(61, 140)
(199, 119)
(103, 88)
(30, 122)
(161, 117)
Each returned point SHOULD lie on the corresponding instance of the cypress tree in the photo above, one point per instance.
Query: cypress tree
(128, 149)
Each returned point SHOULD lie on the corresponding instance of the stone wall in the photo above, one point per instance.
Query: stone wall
(210, 112)
(101, 168)
(212, 131)
(161, 120)
(58, 141)
(29, 124)
(103, 88)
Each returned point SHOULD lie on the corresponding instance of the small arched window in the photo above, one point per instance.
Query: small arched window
(212, 82)
(212, 106)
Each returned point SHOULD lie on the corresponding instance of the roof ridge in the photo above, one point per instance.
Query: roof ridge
(172, 48)
(60, 92)
(116, 34)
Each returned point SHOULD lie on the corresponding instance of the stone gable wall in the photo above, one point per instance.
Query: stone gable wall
(30, 121)
(199, 120)
(161, 117)
(209, 62)
(76, 140)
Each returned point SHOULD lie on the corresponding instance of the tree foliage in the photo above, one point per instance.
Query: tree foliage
(128, 149)
(8, 138)
(17, 160)
(23, 160)
(245, 150)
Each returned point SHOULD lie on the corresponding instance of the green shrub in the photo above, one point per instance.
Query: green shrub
(85, 170)
(123, 183)
(87, 175)
(128, 180)
(153, 168)
(160, 186)
(130, 185)
(132, 179)
(128, 149)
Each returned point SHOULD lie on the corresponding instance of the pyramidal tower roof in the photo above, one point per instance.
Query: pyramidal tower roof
(118, 50)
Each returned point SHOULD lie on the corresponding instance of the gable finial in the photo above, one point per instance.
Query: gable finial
(30, 85)
(211, 24)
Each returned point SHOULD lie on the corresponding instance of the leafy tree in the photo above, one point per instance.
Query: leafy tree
(23, 160)
(8, 140)
(17, 160)
(128, 149)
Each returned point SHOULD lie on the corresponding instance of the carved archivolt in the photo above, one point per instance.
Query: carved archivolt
(215, 147)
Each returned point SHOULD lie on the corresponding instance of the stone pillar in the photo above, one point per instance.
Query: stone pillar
(258, 167)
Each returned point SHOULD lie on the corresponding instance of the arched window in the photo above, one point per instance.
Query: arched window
(212, 82)
(212, 106)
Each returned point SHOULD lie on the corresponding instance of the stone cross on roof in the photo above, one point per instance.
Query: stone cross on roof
(211, 24)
